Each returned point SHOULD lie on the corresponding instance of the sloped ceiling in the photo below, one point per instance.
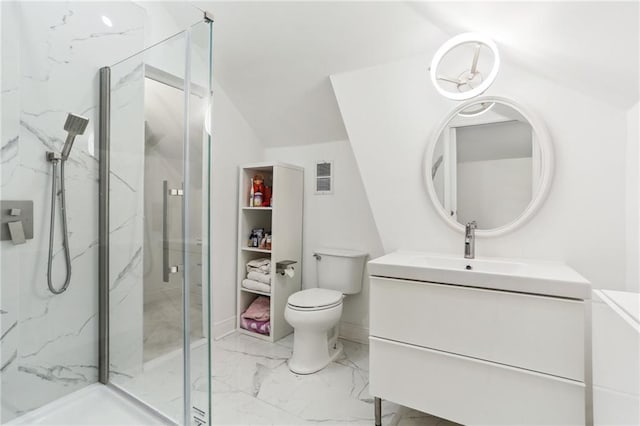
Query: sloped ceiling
(274, 59)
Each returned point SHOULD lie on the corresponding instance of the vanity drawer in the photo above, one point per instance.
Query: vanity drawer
(470, 391)
(539, 333)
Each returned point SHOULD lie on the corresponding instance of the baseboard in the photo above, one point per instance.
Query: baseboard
(223, 328)
(354, 332)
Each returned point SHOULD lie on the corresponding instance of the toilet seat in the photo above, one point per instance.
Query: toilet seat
(314, 299)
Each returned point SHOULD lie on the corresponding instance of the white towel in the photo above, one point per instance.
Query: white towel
(256, 263)
(260, 277)
(255, 285)
(259, 265)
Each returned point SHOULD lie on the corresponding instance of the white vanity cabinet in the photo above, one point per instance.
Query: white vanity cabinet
(475, 354)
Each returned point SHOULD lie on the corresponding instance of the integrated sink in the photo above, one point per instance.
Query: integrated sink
(519, 275)
(496, 266)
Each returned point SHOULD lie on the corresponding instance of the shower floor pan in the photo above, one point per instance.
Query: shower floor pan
(96, 404)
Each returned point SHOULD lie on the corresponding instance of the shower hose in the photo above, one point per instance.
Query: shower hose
(65, 235)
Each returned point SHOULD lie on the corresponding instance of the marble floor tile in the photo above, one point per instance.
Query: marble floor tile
(163, 323)
(252, 384)
(286, 341)
(239, 408)
(354, 355)
(242, 361)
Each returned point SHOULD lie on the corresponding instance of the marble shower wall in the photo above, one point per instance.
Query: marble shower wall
(126, 219)
(51, 53)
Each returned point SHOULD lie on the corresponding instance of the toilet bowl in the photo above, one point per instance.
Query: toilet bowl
(315, 313)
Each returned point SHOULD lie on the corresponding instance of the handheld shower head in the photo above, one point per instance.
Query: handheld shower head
(75, 125)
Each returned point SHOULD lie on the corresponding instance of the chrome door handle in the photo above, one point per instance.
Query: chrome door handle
(166, 268)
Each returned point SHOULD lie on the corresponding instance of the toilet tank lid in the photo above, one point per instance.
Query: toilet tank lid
(340, 252)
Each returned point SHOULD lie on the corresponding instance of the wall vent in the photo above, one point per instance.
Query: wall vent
(324, 177)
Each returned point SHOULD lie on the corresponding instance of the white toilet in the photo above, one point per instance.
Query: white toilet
(314, 313)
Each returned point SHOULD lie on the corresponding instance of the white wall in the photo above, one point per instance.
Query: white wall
(234, 143)
(341, 220)
(633, 197)
(390, 112)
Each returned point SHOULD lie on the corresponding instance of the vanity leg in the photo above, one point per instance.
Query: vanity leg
(377, 402)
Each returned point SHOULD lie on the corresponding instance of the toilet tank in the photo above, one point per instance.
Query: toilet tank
(340, 269)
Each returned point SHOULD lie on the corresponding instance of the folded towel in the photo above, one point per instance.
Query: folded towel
(258, 309)
(260, 277)
(256, 263)
(259, 265)
(262, 327)
(256, 285)
(264, 270)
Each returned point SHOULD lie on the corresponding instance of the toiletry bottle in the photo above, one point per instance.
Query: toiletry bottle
(251, 195)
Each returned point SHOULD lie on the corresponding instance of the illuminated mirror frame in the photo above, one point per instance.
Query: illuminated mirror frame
(453, 43)
(540, 137)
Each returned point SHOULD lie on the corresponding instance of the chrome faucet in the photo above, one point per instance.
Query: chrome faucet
(470, 240)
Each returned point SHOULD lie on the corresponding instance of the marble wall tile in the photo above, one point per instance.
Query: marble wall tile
(126, 218)
(9, 94)
(51, 54)
(10, 270)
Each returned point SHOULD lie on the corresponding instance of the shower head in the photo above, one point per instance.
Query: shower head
(75, 125)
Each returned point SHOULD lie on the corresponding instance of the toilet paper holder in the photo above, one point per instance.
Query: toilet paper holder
(284, 265)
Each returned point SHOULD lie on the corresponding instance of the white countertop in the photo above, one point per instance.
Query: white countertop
(519, 275)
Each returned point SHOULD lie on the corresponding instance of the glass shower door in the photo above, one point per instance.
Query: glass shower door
(159, 226)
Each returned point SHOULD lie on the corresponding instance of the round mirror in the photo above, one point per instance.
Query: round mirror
(490, 161)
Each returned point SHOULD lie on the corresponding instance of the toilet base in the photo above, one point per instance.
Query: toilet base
(315, 338)
(334, 353)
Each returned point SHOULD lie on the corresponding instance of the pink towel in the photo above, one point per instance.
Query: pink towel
(258, 310)
(262, 327)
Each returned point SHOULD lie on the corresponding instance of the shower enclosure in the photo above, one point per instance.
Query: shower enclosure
(154, 225)
(109, 321)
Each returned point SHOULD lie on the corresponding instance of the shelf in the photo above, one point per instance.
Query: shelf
(262, 293)
(282, 220)
(257, 250)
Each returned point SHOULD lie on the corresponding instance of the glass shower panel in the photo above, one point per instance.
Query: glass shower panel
(159, 288)
(141, 159)
(197, 182)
